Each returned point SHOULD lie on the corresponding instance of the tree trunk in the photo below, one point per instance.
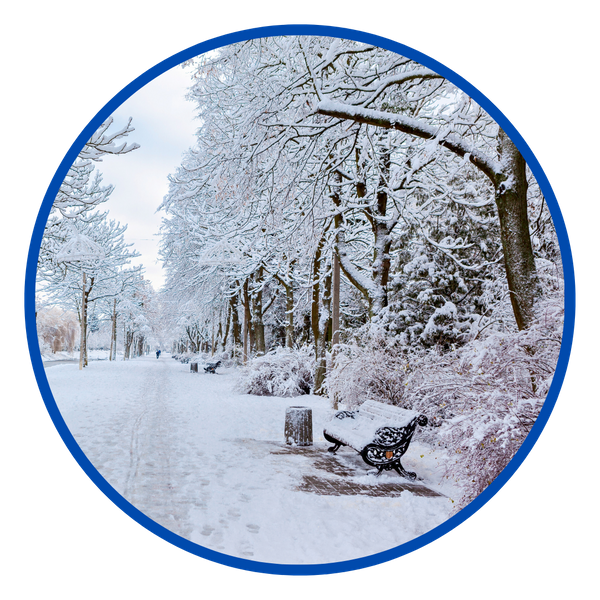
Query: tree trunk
(314, 307)
(113, 334)
(289, 309)
(83, 323)
(335, 301)
(288, 286)
(257, 316)
(86, 293)
(247, 334)
(340, 245)
(212, 338)
(235, 324)
(127, 341)
(324, 327)
(382, 240)
(227, 328)
(306, 328)
(335, 316)
(319, 329)
(511, 200)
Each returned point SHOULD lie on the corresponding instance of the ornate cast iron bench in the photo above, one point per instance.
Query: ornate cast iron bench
(380, 433)
(212, 367)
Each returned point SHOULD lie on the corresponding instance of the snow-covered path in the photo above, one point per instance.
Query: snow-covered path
(209, 464)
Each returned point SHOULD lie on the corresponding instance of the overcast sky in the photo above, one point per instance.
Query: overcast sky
(164, 126)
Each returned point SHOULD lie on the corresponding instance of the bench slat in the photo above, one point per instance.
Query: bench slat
(386, 411)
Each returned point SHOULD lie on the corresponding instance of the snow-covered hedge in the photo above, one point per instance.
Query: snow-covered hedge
(368, 368)
(282, 372)
(491, 391)
(58, 330)
(482, 398)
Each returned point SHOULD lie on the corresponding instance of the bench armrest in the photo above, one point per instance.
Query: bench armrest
(345, 414)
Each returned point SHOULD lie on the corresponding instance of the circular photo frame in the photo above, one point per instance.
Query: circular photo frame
(480, 503)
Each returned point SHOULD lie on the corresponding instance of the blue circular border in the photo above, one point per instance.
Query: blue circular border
(283, 569)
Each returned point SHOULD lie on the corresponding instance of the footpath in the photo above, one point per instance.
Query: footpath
(210, 464)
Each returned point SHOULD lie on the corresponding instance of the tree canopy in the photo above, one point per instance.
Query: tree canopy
(310, 148)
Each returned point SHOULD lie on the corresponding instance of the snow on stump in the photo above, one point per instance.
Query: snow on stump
(193, 367)
(298, 426)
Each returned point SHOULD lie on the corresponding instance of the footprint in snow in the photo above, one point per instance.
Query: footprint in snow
(234, 512)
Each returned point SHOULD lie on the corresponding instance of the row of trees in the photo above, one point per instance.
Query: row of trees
(339, 188)
(355, 208)
(335, 184)
(84, 264)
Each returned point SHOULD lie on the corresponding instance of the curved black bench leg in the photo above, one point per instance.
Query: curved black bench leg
(336, 443)
(403, 472)
(398, 468)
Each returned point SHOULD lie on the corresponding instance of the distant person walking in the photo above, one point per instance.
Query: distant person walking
(158, 354)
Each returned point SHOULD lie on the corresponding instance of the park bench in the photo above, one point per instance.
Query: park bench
(212, 367)
(380, 433)
(209, 367)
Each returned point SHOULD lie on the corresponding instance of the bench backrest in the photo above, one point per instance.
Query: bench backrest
(377, 411)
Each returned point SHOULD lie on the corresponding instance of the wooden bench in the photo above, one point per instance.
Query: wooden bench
(380, 433)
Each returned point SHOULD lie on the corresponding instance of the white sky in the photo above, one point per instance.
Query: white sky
(164, 127)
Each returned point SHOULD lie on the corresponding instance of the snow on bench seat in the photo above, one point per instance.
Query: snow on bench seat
(379, 432)
(358, 428)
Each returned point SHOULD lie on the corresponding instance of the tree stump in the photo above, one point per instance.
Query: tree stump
(194, 367)
(298, 426)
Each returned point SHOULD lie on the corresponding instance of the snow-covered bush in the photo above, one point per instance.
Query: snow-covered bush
(489, 394)
(225, 358)
(368, 368)
(481, 399)
(58, 330)
(282, 372)
(186, 357)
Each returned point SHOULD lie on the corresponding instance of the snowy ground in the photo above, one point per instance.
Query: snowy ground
(205, 461)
